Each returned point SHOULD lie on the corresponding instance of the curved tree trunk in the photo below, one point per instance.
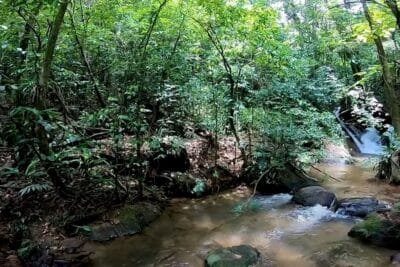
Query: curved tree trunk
(389, 91)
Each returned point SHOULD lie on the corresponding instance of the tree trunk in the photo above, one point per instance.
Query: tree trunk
(40, 98)
(389, 93)
(392, 4)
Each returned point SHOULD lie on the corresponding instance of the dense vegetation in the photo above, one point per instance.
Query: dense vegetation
(91, 89)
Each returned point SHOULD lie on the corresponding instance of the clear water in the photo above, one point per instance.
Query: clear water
(288, 234)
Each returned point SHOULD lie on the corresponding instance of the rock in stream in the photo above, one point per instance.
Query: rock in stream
(237, 256)
(127, 221)
(361, 206)
(314, 195)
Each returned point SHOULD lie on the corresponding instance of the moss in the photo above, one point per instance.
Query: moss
(378, 231)
(371, 226)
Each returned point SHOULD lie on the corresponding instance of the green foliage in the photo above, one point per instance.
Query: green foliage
(21, 131)
(34, 188)
(200, 188)
(161, 67)
(27, 248)
(8, 171)
(291, 128)
(83, 229)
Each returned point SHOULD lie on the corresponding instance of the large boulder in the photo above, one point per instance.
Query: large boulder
(314, 195)
(237, 256)
(361, 206)
(379, 231)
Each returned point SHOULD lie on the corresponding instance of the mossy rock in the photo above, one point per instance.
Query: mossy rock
(128, 220)
(237, 256)
(378, 231)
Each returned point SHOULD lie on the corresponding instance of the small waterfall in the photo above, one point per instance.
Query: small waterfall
(370, 142)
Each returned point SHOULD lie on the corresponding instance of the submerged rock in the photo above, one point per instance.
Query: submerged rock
(314, 195)
(339, 254)
(237, 256)
(361, 206)
(378, 231)
(127, 221)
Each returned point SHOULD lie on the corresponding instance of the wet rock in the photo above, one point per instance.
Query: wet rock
(378, 231)
(361, 206)
(237, 256)
(313, 195)
(127, 221)
(71, 245)
(73, 260)
(395, 259)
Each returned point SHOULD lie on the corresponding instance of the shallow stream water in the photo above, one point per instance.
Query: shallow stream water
(285, 233)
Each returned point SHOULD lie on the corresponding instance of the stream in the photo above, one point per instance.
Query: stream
(288, 234)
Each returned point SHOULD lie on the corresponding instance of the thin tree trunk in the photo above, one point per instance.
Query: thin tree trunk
(85, 61)
(40, 98)
(212, 35)
(389, 93)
